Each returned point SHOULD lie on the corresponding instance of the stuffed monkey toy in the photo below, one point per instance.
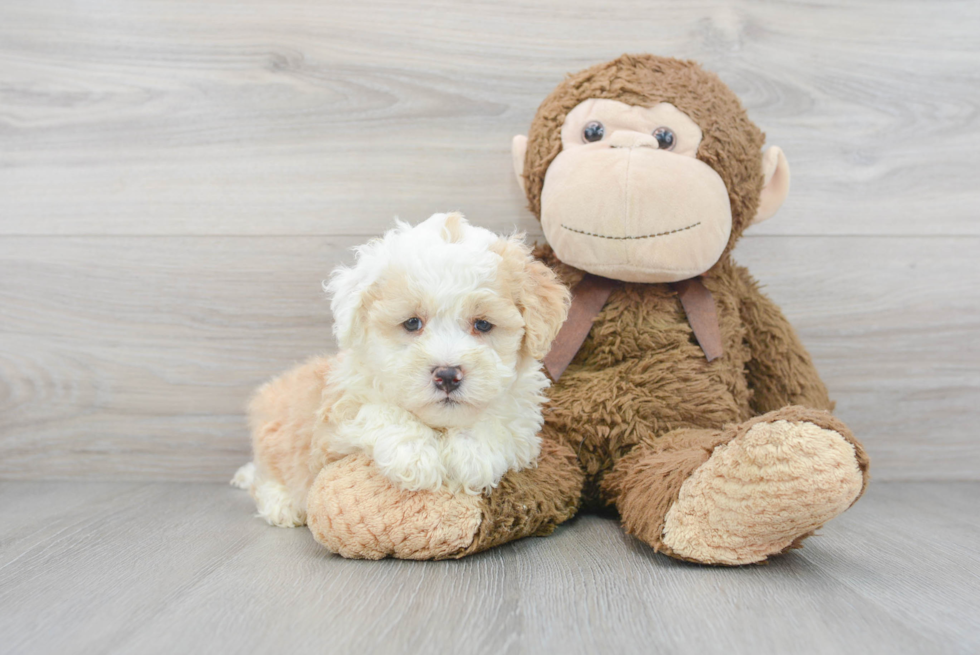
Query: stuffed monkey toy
(682, 397)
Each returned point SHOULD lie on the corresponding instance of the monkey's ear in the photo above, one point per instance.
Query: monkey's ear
(775, 183)
(518, 149)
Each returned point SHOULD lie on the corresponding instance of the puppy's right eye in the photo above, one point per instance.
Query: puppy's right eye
(413, 324)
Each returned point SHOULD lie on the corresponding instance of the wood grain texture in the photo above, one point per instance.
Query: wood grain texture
(312, 117)
(169, 567)
(133, 357)
(177, 177)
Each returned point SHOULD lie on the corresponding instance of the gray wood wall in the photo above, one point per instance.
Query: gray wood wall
(177, 178)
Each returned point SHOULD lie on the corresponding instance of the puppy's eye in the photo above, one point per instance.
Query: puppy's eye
(665, 137)
(593, 132)
(482, 326)
(413, 324)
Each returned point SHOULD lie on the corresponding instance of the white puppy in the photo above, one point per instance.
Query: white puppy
(441, 328)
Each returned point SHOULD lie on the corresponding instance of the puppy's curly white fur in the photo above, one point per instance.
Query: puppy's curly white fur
(441, 329)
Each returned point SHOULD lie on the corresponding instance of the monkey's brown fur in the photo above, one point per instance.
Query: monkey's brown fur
(640, 406)
(726, 462)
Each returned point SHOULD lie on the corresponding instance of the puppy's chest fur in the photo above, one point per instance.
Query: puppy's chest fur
(419, 457)
(641, 373)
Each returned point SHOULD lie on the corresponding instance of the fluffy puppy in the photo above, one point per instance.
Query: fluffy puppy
(441, 328)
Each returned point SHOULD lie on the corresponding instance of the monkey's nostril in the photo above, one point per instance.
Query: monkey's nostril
(447, 378)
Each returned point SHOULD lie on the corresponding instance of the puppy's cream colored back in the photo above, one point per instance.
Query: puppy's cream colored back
(281, 416)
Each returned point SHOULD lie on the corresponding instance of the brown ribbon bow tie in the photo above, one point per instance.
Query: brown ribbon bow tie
(591, 294)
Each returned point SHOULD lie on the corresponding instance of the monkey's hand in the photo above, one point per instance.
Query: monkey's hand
(356, 511)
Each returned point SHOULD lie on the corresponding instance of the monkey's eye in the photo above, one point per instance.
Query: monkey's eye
(482, 326)
(413, 324)
(665, 138)
(593, 132)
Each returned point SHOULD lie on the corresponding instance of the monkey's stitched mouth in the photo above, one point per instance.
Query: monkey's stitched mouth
(646, 236)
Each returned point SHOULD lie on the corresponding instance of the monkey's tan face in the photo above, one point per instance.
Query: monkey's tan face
(627, 197)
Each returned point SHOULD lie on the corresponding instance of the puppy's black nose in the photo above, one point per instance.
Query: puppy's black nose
(447, 378)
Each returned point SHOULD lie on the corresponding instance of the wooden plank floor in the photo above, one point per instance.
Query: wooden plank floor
(176, 567)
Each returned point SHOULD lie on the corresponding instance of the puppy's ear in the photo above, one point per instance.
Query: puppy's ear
(452, 229)
(348, 287)
(541, 297)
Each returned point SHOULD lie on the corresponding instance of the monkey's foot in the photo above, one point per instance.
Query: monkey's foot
(763, 492)
(356, 512)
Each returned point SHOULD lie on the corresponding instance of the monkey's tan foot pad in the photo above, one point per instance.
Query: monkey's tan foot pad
(354, 511)
(762, 491)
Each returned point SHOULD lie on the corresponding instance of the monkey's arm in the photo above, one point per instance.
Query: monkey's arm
(530, 502)
(354, 510)
(780, 371)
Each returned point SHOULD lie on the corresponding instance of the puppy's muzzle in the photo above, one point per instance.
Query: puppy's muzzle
(447, 378)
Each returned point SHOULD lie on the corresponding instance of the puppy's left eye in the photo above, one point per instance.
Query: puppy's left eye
(482, 326)
(413, 324)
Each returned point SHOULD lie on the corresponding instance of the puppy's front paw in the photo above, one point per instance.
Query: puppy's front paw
(472, 465)
(413, 463)
(356, 512)
(405, 450)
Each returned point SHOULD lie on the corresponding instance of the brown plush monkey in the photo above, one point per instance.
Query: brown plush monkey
(688, 403)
